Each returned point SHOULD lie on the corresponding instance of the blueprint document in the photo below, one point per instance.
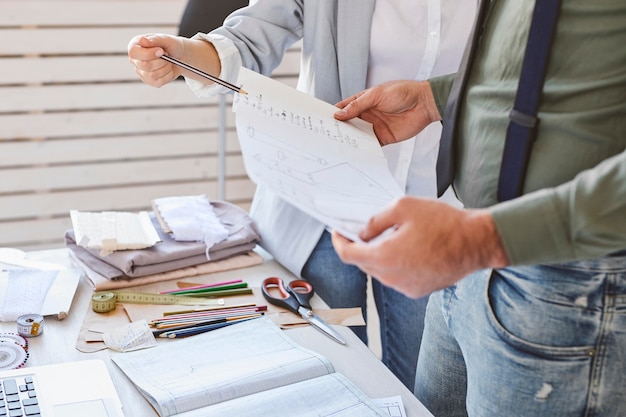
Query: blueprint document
(334, 171)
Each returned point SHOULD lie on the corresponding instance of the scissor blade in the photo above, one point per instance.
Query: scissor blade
(321, 325)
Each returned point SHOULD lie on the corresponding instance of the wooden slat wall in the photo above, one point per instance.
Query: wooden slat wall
(78, 130)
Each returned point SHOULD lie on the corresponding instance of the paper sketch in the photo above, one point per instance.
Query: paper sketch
(290, 141)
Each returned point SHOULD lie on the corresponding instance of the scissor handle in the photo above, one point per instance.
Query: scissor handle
(286, 299)
(303, 291)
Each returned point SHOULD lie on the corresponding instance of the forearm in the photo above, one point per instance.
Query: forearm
(483, 247)
(202, 55)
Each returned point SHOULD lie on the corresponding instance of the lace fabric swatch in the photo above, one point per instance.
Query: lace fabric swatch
(111, 231)
(25, 291)
(190, 219)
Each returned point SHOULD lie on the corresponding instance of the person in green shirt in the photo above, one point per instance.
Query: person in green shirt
(527, 315)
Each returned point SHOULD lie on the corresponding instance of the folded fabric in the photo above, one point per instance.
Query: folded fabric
(169, 254)
(100, 283)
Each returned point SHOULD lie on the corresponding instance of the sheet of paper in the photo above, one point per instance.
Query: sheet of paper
(327, 395)
(392, 406)
(290, 141)
(132, 336)
(61, 293)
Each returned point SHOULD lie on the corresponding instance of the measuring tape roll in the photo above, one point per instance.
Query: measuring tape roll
(30, 325)
(105, 301)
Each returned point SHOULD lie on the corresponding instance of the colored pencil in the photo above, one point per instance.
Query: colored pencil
(200, 329)
(199, 319)
(179, 327)
(197, 287)
(185, 291)
(200, 310)
(206, 315)
(218, 293)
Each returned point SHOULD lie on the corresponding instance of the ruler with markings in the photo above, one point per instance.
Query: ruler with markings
(105, 301)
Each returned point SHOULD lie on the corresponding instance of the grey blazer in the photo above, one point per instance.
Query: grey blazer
(335, 48)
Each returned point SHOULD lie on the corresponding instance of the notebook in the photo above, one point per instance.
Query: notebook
(69, 389)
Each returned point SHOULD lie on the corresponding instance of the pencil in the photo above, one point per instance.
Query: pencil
(201, 310)
(185, 291)
(217, 293)
(204, 74)
(200, 329)
(161, 324)
(201, 315)
(198, 287)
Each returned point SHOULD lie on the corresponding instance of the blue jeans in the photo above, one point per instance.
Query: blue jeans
(401, 318)
(544, 340)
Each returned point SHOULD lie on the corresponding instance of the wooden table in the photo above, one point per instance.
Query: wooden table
(355, 360)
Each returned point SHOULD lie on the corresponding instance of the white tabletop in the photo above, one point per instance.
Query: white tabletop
(355, 360)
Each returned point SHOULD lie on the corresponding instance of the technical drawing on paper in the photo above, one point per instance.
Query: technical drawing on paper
(291, 143)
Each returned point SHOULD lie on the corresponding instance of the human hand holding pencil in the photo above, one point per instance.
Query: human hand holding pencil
(205, 75)
(149, 52)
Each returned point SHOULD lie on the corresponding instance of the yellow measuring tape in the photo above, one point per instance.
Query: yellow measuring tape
(104, 301)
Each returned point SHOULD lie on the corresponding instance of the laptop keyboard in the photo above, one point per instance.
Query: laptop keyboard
(18, 397)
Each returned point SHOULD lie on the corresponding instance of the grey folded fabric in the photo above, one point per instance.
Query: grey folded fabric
(169, 254)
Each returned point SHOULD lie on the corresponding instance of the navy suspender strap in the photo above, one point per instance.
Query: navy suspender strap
(446, 157)
(523, 120)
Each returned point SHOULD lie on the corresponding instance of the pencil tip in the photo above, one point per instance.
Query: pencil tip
(242, 91)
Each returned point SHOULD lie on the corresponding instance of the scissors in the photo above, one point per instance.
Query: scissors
(295, 297)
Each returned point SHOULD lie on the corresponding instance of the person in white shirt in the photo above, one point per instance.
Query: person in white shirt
(347, 46)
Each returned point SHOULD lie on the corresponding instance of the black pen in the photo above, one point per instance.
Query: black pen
(174, 328)
(192, 331)
(204, 74)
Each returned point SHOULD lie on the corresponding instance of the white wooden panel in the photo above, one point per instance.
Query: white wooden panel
(14, 126)
(63, 151)
(90, 12)
(239, 190)
(18, 99)
(118, 198)
(50, 233)
(107, 174)
(74, 40)
(72, 69)
(235, 166)
(132, 198)
(51, 178)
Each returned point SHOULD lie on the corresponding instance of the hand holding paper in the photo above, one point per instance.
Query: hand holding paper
(334, 171)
